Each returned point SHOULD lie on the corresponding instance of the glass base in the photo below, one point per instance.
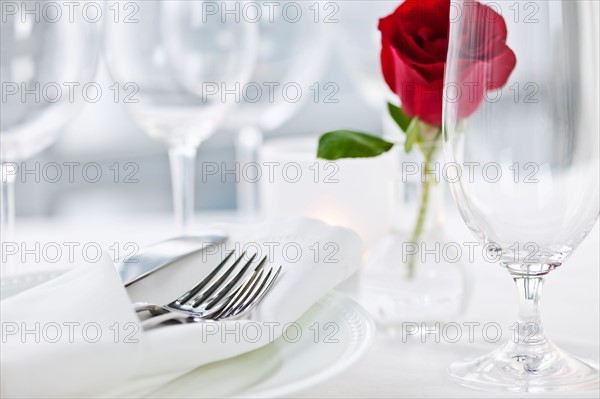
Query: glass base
(526, 368)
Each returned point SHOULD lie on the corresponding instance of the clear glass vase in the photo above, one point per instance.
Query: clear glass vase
(413, 275)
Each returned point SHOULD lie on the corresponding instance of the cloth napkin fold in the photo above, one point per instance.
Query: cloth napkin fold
(77, 335)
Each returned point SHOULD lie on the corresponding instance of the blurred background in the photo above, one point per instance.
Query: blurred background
(331, 52)
(105, 133)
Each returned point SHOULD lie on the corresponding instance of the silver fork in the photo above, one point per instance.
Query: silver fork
(229, 296)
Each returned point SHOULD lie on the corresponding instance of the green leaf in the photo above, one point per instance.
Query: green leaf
(402, 120)
(349, 144)
(413, 135)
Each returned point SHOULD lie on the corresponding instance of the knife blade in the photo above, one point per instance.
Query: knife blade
(154, 257)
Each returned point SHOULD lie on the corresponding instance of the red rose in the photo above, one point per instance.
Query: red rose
(414, 48)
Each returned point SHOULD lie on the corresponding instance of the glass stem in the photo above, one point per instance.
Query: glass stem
(183, 166)
(7, 203)
(248, 142)
(529, 324)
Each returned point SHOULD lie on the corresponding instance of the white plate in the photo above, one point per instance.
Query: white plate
(334, 334)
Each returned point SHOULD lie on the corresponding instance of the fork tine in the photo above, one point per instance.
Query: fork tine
(198, 287)
(220, 306)
(232, 299)
(260, 293)
(248, 286)
(212, 302)
(220, 282)
(250, 294)
(258, 271)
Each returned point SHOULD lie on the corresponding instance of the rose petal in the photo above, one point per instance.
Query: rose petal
(388, 67)
(479, 77)
(484, 32)
(403, 41)
(428, 72)
(409, 46)
(418, 96)
(414, 51)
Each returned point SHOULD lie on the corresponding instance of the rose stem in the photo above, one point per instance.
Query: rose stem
(426, 186)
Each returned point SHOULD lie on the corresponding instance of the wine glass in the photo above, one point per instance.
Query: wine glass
(184, 64)
(292, 54)
(46, 60)
(532, 147)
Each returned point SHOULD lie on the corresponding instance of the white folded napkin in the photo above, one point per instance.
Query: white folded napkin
(78, 336)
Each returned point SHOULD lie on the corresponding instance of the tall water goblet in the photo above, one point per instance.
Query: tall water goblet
(178, 60)
(525, 164)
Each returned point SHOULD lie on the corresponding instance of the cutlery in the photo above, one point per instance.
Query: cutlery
(230, 295)
(159, 255)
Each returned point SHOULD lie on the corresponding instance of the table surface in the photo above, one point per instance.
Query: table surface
(393, 368)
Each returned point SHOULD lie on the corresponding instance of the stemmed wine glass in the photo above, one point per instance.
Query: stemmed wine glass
(46, 61)
(532, 193)
(182, 63)
(291, 56)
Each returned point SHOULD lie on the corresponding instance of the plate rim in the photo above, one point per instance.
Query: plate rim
(348, 359)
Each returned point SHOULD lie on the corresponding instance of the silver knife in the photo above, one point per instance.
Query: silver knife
(154, 257)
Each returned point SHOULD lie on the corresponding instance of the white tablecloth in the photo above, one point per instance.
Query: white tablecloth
(570, 315)
(393, 368)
